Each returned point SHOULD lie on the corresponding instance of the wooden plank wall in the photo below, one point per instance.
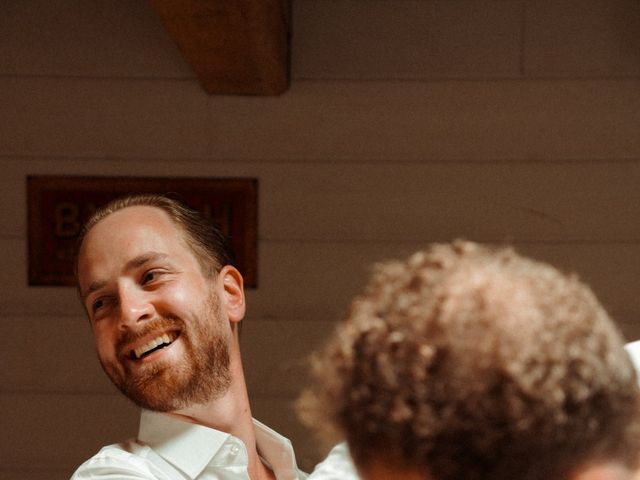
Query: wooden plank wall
(408, 121)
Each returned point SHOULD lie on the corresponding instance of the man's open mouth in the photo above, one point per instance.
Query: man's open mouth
(157, 343)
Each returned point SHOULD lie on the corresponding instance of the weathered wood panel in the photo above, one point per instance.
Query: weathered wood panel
(401, 39)
(61, 431)
(582, 38)
(373, 39)
(375, 122)
(29, 473)
(100, 38)
(393, 122)
(103, 118)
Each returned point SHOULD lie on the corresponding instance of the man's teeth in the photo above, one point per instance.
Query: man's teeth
(156, 342)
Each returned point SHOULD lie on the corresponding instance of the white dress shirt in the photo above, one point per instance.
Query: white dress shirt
(171, 449)
(337, 466)
(633, 349)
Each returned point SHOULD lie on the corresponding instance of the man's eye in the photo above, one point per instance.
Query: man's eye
(99, 303)
(150, 276)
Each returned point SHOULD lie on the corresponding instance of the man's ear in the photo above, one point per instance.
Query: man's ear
(233, 292)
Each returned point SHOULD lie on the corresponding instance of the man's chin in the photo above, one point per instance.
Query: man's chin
(155, 397)
(161, 395)
(158, 388)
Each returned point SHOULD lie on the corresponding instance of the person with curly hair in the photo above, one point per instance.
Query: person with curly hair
(466, 362)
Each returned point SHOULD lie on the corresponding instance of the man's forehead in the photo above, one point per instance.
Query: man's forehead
(131, 221)
(136, 213)
(129, 232)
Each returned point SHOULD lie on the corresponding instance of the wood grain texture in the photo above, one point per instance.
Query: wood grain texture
(74, 38)
(61, 431)
(239, 47)
(324, 122)
(582, 38)
(30, 473)
(403, 39)
(350, 39)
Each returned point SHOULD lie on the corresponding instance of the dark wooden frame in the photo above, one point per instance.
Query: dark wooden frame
(59, 205)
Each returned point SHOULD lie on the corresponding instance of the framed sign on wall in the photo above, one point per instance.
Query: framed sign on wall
(58, 206)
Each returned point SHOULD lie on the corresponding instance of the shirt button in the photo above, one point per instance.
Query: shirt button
(235, 449)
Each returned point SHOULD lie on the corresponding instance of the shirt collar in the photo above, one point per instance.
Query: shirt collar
(191, 447)
(633, 349)
(188, 446)
(276, 450)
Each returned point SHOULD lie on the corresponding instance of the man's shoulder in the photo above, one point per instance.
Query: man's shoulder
(128, 461)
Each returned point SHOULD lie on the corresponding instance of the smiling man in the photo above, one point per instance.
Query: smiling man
(164, 303)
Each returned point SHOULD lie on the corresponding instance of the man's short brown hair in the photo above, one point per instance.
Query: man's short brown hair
(472, 363)
(208, 243)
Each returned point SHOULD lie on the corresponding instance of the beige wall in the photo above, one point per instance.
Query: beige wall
(407, 121)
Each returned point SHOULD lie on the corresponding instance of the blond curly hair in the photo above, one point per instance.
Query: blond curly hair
(467, 362)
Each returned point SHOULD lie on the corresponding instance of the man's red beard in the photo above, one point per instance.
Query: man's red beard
(200, 376)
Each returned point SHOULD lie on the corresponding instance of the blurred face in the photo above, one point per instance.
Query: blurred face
(159, 325)
(390, 469)
(382, 468)
(606, 471)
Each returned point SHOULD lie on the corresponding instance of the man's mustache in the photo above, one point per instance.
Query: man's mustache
(156, 325)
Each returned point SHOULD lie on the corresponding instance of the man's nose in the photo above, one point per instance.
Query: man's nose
(135, 306)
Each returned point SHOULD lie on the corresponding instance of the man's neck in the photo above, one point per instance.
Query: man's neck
(231, 413)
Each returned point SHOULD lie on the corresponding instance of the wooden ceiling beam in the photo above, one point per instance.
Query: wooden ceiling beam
(234, 47)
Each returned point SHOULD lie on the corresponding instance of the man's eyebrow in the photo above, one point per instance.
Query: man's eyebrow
(92, 288)
(143, 258)
(135, 262)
